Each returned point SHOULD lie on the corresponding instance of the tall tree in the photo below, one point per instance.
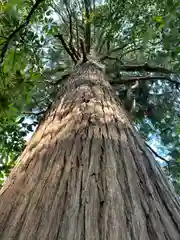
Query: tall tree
(86, 173)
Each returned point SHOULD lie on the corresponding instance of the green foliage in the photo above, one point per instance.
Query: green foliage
(11, 145)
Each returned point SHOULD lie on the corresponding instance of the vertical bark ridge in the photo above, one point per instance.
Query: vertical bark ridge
(86, 174)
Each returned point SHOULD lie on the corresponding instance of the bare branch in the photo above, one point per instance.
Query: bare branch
(101, 44)
(33, 113)
(18, 29)
(83, 50)
(70, 26)
(111, 58)
(65, 45)
(144, 67)
(60, 80)
(112, 51)
(135, 85)
(160, 94)
(71, 34)
(94, 28)
(129, 80)
(108, 46)
(77, 37)
(156, 154)
(87, 26)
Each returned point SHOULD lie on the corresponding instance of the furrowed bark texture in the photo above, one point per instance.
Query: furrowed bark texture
(86, 174)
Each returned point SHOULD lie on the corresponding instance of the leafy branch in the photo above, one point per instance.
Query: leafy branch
(18, 29)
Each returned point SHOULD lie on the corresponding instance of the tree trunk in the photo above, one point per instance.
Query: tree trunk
(86, 174)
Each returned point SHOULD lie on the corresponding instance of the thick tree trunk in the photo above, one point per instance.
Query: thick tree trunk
(86, 174)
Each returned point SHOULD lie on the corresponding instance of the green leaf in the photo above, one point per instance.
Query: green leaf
(159, 19)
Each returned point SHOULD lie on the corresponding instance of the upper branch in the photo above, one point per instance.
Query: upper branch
(113, 51)
(144, 67)
(87, 26)
(129, 80)
(84, 56)
(71, 34)
(65, 45)
(18, 29)
(157, 155)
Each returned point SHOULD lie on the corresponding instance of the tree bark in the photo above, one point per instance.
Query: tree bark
(87, 175)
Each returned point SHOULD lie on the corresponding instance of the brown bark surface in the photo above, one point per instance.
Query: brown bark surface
(86, 174)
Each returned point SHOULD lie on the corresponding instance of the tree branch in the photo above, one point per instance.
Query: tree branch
(129, 80)
(144, 67)
(65, 45)
(112, 51)
(87, 26)
(110, 58)
(84, 55)
(18, 29)
(136, 85)
(77, 37)
(101, 44)
(71, 34)
(157, 155)
(33, 113)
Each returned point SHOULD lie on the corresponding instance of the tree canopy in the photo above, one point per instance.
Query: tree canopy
(137, 41)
